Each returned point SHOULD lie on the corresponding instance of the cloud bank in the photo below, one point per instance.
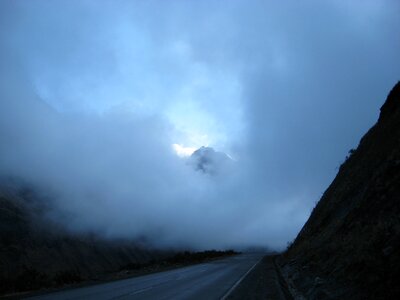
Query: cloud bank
(93, 96)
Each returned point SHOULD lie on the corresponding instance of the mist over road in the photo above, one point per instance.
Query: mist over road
(210, 280)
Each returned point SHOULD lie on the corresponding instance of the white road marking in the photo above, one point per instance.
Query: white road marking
(142, 290)
(239, 281)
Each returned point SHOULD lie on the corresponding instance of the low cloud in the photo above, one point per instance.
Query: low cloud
(93, 98)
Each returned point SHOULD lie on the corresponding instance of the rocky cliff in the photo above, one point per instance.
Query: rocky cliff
(350, 246)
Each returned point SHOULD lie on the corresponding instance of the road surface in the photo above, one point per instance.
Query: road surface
(212, 280)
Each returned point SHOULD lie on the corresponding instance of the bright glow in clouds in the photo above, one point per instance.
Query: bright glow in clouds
(183, 151)
(98, 99)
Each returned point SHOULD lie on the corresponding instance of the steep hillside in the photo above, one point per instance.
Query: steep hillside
(350, 246)
(35, 253)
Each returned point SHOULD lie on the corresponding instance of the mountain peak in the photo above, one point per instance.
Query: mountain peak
(207, 160)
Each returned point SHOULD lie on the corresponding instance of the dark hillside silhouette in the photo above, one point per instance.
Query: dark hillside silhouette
(349, 248)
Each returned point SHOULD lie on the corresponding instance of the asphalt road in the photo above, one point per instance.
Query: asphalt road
(212, 280)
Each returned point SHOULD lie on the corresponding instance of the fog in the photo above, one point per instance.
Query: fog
(94, 94)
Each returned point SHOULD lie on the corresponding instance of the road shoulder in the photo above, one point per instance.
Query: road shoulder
(263, 282)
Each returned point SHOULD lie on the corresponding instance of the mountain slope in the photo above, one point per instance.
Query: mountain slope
(349, 248)
(36, 253)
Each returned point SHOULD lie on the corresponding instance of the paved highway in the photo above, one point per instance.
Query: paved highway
(212, 280)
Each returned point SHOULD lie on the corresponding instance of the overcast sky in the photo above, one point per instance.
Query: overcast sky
(94, 94)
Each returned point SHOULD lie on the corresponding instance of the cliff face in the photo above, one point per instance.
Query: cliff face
(351, 241)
